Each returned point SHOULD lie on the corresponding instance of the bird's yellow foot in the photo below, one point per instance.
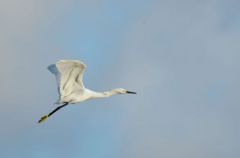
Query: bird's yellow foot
(43, 119)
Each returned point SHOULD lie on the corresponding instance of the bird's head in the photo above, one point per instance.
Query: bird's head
(123, 91)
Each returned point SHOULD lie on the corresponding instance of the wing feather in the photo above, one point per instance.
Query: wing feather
(69, 75)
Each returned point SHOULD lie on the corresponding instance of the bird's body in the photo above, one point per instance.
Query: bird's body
(69, 75)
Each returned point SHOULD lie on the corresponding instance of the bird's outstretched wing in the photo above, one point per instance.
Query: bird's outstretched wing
(69, 74)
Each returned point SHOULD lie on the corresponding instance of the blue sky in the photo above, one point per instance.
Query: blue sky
(180, 56)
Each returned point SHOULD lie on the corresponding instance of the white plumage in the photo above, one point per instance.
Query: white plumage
(69, 75)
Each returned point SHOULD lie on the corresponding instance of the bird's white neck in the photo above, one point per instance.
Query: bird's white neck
(103, 94)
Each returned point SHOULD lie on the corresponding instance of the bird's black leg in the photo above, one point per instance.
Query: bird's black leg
(46, 116)
(58, 108)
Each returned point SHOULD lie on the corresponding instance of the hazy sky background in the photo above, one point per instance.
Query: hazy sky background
(182, 57)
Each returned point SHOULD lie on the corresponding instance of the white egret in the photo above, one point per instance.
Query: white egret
(69, 74)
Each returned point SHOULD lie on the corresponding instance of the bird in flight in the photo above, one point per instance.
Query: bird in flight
(69, 75)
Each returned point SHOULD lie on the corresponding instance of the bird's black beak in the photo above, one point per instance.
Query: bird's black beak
(129, 92)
